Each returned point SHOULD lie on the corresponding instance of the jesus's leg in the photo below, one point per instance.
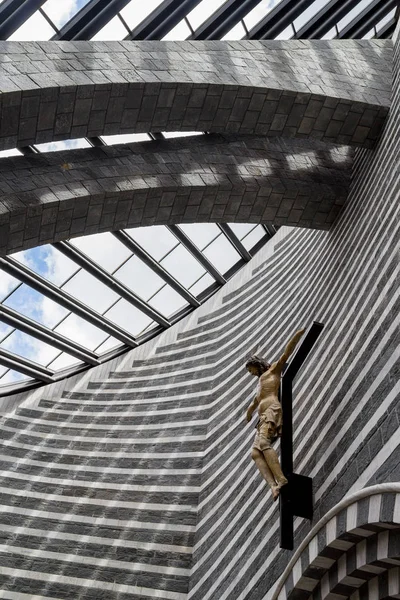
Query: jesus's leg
(272, 460)
(265, 471)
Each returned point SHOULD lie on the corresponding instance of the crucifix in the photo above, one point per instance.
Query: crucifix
(275, 420)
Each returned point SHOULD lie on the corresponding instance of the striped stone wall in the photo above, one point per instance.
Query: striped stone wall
(137, 482)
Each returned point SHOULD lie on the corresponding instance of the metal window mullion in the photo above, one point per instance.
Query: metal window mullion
(46, 335)
(25, 366)
(119, 288)
(234, 240)
(41, 285)
(387, 30)
(366, 19)
(155, 266)
(189, 245)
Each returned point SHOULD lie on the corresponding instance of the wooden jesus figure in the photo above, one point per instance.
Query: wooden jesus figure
(269, 426)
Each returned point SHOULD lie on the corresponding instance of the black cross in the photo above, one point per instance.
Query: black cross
(296, 498)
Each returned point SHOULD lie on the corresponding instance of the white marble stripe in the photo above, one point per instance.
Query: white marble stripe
(336, 350)
(383, 545)
(85, 501)
(374, 509)
(119, 542)
(351, 517)
(357, 441)
(98, 521)
(396, 512)
(103, 440)
(104, 485)
(120, 453)
(394, 582)
(49, 578)
(124, 413)
(8, 595)
(97, 562)
(104, 470)
(361, 553)
(107, 428)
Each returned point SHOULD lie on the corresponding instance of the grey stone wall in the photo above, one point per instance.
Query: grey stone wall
(338, 91)
(50, 197)
(137, 482)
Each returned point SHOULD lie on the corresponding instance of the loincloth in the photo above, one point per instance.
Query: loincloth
(269, 427)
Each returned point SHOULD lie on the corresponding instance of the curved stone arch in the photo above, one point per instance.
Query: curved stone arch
(370, 512)
(376, 554)
(337, 91)
(385, 585)
(58, 195)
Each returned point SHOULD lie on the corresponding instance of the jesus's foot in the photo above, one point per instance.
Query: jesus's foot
(277, 488)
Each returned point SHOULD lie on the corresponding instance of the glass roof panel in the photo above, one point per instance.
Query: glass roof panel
(174, 134)
(104, 249)
(251, 239)
(81, 331)
(136, 11)
(7, 284)
(4, 330)
(309, 13)
(63, 361)
(205, 9)
(48, 262)
(34, 305)
(201, 233)
(13, 377)
(63, 145)
(222, 254)
(156, 240)
(179, 32)
(241, 229)
(259, 12)
(236, 33)
(108, 345)
(128, 317)
(34, 29)
(330, 34)
(29, 347)
(167, 301)
(124, 138)
(183, 266)
(91, 291)
(114, 30)
(61, 11)
(11, 152)
(139, 278)
(202, 284)
(286, 34)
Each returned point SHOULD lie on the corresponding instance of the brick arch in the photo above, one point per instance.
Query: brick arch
(58, 195)
(360, 533)
(337, 91)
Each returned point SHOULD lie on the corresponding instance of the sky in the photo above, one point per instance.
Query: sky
(106, 249)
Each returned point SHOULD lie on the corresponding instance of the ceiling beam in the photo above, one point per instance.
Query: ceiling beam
(14, 13)
(387, 30)
(164, 18)
(325, 19)
(90, 19)
(193, 249)
(25, 366)
(234, 240)
(116, 286)
(44, 334)
(41, 285)
(280, 17)
(148, 260)
(367, 19)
